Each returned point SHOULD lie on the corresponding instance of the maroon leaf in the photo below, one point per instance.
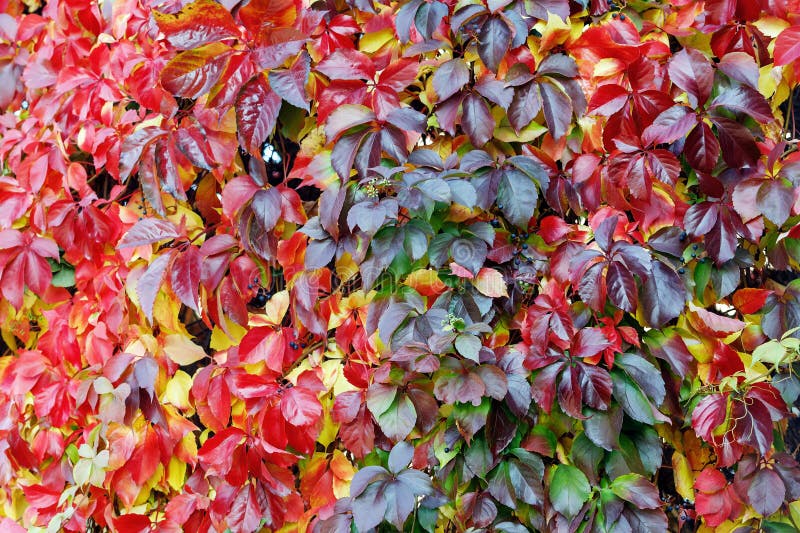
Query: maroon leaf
(621, 287)
(494, 39)
(690, 70)
(570, 396)
(477, 120)
(663, 295)
(557, 108)
(744, 99)
(670, 125)
(766, 491)
(702, 148)
(266, 207)
(525, 105)
(450, 78)
(290, 84)
(737, 144)
(256, 113)
(185, 277)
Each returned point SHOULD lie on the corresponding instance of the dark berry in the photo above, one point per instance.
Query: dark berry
(683, 236)
(513, 236)
(499, 206)
(495, 223)
(681, 270)
(303, 345)
(622, 17)
(694, 255)
(516, 261)
(694, 247)
(614, 15)
(524, 245)
(446, 449)
(293, 345)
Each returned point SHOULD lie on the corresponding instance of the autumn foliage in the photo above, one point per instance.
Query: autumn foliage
(427, 265)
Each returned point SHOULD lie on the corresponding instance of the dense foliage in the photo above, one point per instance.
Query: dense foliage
(429, 265)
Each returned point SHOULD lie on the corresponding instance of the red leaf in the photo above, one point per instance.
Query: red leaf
(713, 324)
(198, 23)
(608, 99)
(450, 78)
(192, 73)
(216, 455)
(750, 300)
(347, 64)
(256, 113)
(589, 342)
(787, 46)
(708, 415)
(148, 231)
(300, 407)
(185, 277)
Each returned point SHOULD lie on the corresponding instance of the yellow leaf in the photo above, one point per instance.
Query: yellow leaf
(277, 306)
(771, 26)
(177, 391)
(684, 478)
(176, 473)
(374, 41)
(490, 282)
(220, 340)
(182, 350)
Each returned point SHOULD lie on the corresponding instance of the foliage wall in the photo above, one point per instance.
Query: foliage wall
(428, 265)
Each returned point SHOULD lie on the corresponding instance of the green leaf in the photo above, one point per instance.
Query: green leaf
(770, 352)
(569, 490)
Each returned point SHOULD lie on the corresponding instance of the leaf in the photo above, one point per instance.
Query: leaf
(300, 407)
(399, 419)
(775, 199)
(603, 429)
(347, 64)
(663, 295)
(193, 73)
(256, 113)
(631, 398)
(290, 84)
(477, 121)
(787, 46)
(669, 126)
(266, 207)
(345, 117)
(185, 277)
(450, 78)
(490, 282)
(708, 415)
(148, 231)
(400, 456)
(198, 23)
(621, 287)
(702, 148)
(636, 489)
(518, 195)
(149, 284)
(180, 349)
(494, 39)
(743, 99)
(557, 108)
(569, 490)
(766, 491)
(692, 71)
